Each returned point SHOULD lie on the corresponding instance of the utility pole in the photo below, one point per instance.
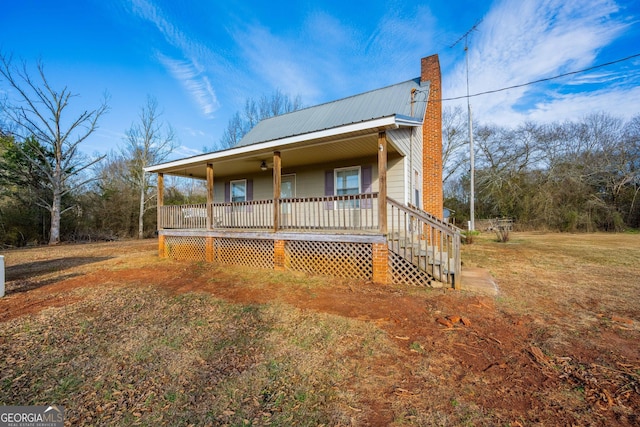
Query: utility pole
(472, 184)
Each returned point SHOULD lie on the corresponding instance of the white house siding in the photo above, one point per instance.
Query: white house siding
(395, 178)
(310, 182)
(310, 179)
(409, 141)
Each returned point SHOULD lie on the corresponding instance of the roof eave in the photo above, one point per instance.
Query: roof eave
(381, 123)
(408, 121)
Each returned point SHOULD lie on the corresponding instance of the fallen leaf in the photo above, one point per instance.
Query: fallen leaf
(444, 322)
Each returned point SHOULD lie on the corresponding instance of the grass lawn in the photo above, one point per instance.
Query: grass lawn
(120, 337)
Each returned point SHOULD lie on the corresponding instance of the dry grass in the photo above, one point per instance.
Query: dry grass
(132, 356)
(120, 337)
(567, 279)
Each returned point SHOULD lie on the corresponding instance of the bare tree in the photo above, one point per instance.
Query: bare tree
(40, 111)
(148, 141)
(454, 139)
(116, 206)
(278, 103)
(254, 111)
(232, 134)
(632, 144)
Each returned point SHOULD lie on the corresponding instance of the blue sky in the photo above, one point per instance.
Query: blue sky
(202, 59)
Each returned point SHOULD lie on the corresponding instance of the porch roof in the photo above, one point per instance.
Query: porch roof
(349, 141)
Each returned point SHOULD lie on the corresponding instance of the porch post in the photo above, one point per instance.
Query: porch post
(382, 182)
(160, 199)
(209, 196)
(161, 251)
(277, 183)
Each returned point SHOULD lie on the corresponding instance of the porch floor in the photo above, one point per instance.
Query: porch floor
(321, 234)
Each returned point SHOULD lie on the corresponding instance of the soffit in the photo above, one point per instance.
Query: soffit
(311, 153)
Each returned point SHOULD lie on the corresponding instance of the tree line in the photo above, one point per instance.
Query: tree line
(50, 191)
(580, 175)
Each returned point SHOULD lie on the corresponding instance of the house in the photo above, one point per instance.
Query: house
(350, 188)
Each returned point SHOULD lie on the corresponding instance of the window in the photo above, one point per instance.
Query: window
(239, 191)
(347, 181)
(416, 190)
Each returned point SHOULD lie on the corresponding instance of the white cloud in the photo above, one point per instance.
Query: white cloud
(614, 102)
(275, 60)
(184, 151)
(149, 12)
(195, 132)
(522, 41)
(400, 39)
(187, 71)
(197, 84)
(329, 58)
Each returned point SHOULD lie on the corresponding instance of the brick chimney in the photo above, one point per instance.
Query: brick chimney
(432, 138)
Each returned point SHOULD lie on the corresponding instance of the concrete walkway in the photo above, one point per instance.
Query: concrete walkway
(478, 280)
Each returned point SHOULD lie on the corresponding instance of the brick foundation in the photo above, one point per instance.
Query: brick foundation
(380, 255)
(210, 248)
(278, 255)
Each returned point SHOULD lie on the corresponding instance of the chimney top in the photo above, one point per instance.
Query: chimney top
(430, 69)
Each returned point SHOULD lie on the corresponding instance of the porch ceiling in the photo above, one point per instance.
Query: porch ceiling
(321, 150)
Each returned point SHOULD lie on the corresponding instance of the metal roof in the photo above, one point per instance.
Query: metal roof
(352, 118)
(384, 102)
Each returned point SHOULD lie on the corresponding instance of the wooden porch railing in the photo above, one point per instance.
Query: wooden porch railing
(426, 241)
(348, 212)
(254, 214)
(183, 216)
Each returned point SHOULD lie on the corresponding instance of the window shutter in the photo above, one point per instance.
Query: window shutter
(227, 195)
(328, 188)
(366, 177)
(249, 194)
(249, 190)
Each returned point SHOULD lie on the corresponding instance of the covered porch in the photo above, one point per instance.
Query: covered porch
(333, 182)
(355, 230)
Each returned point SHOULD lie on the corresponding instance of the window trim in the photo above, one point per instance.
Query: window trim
(231, 184)
(295, 182)
(341, 204)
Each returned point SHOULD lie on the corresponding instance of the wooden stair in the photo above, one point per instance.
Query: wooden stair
(427, 243)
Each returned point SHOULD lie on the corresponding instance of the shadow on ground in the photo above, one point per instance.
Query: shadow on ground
(17, 286)
(36, 268)
(23, 273)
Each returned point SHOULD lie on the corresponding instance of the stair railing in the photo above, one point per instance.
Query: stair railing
(426, 241)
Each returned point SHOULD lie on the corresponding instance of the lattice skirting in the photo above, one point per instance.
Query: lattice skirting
(247, 252)
(406, 273)
(185, 248)
(336, 259)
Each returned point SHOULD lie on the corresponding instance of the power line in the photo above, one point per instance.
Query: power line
(543, 80)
